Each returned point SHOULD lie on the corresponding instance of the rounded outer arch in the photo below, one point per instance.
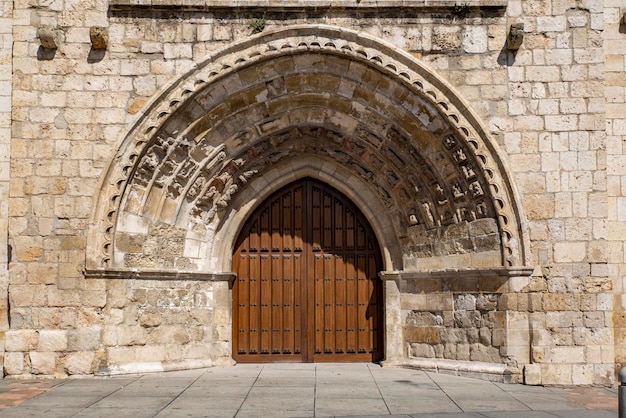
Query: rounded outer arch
(359, 46)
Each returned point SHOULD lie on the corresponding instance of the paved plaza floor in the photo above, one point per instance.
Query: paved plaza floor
(298, 390)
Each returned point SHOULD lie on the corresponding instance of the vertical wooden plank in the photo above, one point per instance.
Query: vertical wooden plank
(361, 244)
(287, 222)
(265, 239)
(316, 219)
(338, 227)
(340, 304)
(351, 304)
(255, 304)
(242, 329)
(350, 231)
(298, 218)
(327, 221)
(299, 306)
(312, 242)
(318, 301)
(329, 303)
(275, 225)
(301, 324)
(253, 237)
(277, 303)
(266, 304)
(363, 299)
(288, 304)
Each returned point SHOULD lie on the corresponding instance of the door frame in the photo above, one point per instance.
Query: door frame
(258, 189)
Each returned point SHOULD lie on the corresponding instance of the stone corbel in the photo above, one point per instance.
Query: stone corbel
(48, 37)
(516, 36)
(99, 37)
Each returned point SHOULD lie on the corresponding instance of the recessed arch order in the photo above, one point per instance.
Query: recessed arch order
(317, 101)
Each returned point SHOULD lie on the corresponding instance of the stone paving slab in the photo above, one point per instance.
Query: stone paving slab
(299, 390)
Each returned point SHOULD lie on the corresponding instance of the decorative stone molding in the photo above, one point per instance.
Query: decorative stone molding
(159, 275)
(469, 141)
(298, 6)
(458, 273)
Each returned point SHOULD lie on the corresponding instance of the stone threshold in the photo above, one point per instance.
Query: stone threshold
(450, 6)
(154, 367)
(493, 372)
(158, 275)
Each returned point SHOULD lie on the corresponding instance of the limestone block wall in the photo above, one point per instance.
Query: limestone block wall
(6, 51)
(555, 139)
(165, 324)
(454, 319)
(615, 91)
(475, 244)
(555, 108)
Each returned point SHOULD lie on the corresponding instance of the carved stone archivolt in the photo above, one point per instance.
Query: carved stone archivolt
(342, 96)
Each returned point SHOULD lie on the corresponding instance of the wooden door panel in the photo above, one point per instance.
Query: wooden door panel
(307, 290)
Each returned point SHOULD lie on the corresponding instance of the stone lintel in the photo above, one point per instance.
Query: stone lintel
(449, 6)
(160, 275)
(458, 273)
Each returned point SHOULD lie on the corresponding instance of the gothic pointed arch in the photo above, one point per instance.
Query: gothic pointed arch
(306, 100)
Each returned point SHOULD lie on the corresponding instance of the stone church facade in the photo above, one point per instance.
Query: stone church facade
(151, 150)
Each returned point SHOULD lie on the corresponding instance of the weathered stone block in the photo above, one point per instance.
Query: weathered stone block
(429, 335)
(131, 335)
(52, 340)
(80, 362)
(569, 355)
(479, 352)
(20, 340)
(592, 336)
(475, 39)
(150, 318)
(561, 302)
(532, 374)
(43, 363)
(563, 319)
(155, 353)
(556, 374)
(463, 352)
(168, 334)
(465, 302)
(122, 355)
(14, 363)
(583, 374)
(422, 350)
(604, 375)
(84, 339)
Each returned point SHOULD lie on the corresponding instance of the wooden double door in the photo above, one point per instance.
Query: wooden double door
(307, 289)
